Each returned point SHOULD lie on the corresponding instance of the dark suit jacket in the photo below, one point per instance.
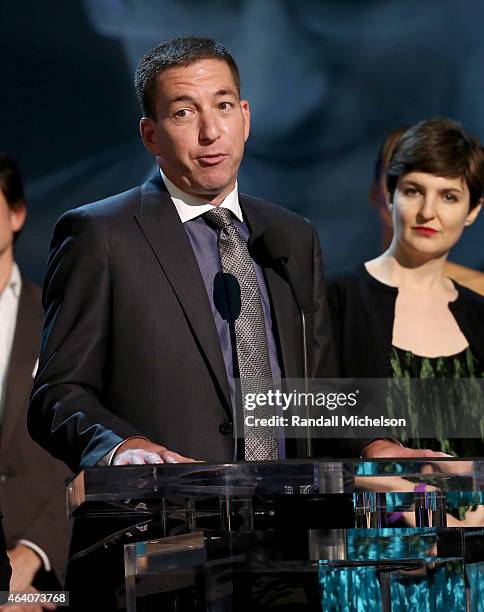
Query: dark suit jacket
(5, 569)
(130, 346)
(32, 483)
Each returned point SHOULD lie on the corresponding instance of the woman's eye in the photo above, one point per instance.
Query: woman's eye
(411, 191)
(450, 197)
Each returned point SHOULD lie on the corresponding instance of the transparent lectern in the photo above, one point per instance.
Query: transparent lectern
(305, 534)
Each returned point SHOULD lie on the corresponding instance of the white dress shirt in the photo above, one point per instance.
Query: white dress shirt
(9, 299)
(189, 207)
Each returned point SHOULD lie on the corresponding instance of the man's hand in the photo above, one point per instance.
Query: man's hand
(25, 564)
(386, 449)
(138, 451)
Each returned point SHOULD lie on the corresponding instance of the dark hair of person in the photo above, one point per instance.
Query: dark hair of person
(385, 153)
(442, 148)
(172, 54)
(11, 184)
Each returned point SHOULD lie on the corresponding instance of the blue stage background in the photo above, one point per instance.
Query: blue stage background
(326, 81)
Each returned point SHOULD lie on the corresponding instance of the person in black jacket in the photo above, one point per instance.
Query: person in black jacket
(399, 314)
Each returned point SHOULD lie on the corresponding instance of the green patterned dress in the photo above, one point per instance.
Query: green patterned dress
(406, 365)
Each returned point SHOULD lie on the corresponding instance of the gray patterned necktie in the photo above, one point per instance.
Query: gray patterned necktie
(250, 333)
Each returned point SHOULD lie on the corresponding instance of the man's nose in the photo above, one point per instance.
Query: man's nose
(209, 128)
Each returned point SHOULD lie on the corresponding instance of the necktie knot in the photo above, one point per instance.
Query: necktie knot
(221, 218)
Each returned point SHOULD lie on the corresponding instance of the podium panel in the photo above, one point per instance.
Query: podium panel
(290, 535)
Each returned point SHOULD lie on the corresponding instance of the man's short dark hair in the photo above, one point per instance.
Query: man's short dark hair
(173, 53)
(440, 147)
(11, 184)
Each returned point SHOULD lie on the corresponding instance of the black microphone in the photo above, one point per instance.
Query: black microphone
(270, 246)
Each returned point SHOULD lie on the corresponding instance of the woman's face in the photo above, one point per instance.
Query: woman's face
(430, 213)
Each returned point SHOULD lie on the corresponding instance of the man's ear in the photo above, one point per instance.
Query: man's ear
(18, 214)
(148, 134)
(472, 216)
(244, 105)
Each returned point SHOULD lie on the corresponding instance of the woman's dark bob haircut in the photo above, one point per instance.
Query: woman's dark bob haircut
(442, 148)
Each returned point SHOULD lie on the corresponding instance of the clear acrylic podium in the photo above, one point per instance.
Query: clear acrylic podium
(332, 535)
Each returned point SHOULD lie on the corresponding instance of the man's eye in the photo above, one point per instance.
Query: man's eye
(182, 113)
(225, 105)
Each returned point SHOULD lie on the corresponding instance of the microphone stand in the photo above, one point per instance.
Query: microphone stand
(309, 441)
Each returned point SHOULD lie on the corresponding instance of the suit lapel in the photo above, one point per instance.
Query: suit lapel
(282, 302)
(162, 228)
(25, 349)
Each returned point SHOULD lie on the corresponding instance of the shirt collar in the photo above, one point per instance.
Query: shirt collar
(14, 283)
(189, 207)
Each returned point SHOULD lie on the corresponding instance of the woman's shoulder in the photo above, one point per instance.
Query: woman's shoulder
(467, 277)
(468, 310)
(347, 276)
(344, 284)
(357, 279)
(469, 299)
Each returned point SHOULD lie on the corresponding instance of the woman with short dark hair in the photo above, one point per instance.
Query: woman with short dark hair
(378, 196)
(399, 315)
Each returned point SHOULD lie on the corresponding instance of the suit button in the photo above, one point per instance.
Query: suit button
(226, 428)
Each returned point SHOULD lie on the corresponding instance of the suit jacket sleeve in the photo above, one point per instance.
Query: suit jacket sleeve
(67, 415)
(324, 365)
(52, 520)
(5, 569)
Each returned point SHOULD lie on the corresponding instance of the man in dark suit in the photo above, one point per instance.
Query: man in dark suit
(32, 493)
(153, 304)
(136, 350)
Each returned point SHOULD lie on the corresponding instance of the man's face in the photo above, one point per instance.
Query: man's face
(11, 221)
(200, 128)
